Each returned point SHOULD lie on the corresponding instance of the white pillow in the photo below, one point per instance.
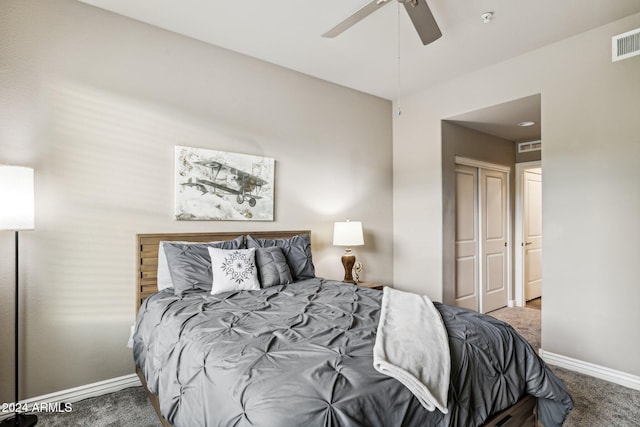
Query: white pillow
(233, 270)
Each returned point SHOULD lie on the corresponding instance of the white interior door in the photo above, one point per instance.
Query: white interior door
(494, 239)
(466, 282)
(532, 210)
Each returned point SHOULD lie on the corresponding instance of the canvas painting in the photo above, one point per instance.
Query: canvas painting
(223, 186)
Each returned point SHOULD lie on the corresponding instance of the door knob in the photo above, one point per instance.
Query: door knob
(528, 243)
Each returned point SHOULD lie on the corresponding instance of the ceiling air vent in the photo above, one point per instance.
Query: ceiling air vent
(625, 45)
(524, 147)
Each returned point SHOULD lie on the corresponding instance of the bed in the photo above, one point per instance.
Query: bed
(300, 353)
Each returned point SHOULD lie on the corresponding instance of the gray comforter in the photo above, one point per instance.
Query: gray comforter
(301, 355)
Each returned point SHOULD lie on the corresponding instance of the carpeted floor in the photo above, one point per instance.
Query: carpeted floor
(598, 403)
(524, 320)
(126, 408)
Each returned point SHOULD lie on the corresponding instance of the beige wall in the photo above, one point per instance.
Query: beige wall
(591, 189)
(96, 103)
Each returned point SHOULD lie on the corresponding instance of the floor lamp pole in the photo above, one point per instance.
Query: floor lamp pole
(16, 352)
(18, 420)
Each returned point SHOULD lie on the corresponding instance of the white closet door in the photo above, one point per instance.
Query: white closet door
(466, 243)
(494, 237)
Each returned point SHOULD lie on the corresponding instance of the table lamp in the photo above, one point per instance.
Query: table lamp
(348, 233)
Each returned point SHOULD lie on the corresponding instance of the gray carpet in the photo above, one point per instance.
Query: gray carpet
(598, 403)
(524, 320)
(126, 408)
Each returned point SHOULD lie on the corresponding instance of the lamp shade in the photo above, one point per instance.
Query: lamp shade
(17, 209)
(348, 233)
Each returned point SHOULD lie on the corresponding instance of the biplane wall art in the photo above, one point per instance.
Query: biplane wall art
(217, 185)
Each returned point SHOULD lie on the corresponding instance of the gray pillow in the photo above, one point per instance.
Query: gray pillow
(273, 269)
(297, 251)
(190, 264)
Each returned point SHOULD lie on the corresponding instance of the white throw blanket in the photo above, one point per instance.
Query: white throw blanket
(412, 346)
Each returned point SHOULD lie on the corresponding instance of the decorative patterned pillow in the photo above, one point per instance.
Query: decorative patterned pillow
(272, 267)
(297, 251)
(233, 270)
(189, 263)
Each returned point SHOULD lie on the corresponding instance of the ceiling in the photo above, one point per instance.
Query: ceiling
(502, 120)
(365, 57)
(382, 55)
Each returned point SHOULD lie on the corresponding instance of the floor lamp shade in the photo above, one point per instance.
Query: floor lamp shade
(16, 198)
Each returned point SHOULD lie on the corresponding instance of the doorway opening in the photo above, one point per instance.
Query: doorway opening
(488, 135)
(528, 233)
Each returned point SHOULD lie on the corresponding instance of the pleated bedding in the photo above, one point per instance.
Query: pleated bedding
(302, 354)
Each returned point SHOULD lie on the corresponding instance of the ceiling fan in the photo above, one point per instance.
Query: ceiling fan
(418, 11)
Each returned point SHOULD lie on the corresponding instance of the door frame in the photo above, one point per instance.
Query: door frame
(519, 230)
(466, 161)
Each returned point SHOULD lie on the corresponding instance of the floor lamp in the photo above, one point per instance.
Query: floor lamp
(17, 213)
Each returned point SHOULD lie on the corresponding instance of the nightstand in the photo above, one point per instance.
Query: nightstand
(371, 285)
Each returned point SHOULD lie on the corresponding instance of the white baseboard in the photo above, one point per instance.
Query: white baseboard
(83, 392)
(591, 369)
(511, 303)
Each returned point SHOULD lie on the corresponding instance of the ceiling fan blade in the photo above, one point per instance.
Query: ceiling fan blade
(365, 11)
(423, 20)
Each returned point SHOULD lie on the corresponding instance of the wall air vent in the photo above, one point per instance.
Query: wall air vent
(525, 147)
(625, 45)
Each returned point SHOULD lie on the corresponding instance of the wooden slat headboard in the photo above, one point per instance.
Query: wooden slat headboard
(147, 253)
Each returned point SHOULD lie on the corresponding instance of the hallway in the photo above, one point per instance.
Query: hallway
(535, 303)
